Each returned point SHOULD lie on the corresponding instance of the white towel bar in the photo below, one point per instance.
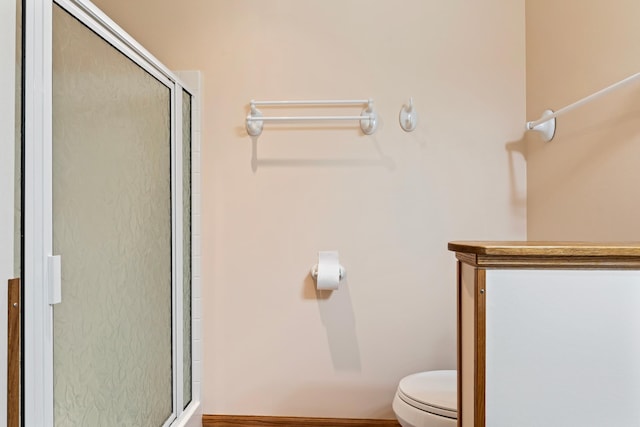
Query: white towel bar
(304, 118)
(255, 120)
(314, 102)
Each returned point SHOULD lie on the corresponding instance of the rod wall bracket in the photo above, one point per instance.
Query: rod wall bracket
(370, 125)
(546, 129)
(254, 127)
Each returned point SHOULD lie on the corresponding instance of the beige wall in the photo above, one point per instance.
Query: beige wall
(584, 184)
(388, 202)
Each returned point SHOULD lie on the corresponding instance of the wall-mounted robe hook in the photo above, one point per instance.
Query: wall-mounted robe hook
(408, 117)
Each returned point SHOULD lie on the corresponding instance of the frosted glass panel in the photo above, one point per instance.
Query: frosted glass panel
(186, 194)
(112, 227)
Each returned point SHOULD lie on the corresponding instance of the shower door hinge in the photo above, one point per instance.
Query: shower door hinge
(55, 279)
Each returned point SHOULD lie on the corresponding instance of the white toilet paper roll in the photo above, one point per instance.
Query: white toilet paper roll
(328, 271)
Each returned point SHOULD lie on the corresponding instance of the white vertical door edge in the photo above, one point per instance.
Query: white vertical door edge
(38, 345)
(7, 155)
(178, 253)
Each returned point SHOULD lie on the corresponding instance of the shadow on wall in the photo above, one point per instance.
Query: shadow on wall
(336, 312)
(382, 160)
(518, 198)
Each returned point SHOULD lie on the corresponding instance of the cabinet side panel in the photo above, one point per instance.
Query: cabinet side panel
(459, 339)
(467, 345)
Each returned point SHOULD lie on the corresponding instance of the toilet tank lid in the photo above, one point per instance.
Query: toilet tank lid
(433, 388)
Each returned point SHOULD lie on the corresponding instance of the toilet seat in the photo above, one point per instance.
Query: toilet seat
(433, 392)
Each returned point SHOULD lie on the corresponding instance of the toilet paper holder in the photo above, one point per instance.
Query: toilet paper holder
(314, 272)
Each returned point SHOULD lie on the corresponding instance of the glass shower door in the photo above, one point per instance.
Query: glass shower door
(187, 367)
(112, 227)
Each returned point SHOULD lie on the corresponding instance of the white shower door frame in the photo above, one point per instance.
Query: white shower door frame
(38, 312)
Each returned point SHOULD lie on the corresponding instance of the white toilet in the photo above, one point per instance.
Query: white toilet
(427, 399)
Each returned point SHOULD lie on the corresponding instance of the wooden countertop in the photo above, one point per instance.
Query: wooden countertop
(548, 254)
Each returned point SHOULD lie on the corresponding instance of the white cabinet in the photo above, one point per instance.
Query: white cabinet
(548, 334)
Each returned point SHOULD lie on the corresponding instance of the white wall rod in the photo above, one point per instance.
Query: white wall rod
(551, 115)
(313, 102)
(305, 118)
